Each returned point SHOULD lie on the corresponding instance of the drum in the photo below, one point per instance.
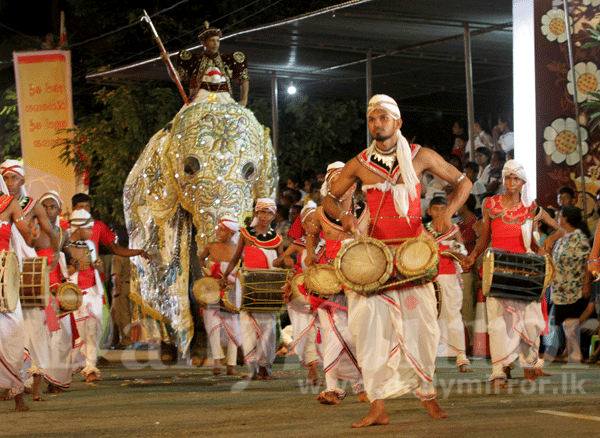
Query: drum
(417, 259)
(297, 298)
(35, 283)
(364, 265)
(9, 281)
(207, 292)
(516, 276)
(69, 297)
(322, 281)
(263, 289)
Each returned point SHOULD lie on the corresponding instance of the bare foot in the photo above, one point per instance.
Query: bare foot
(217, 370)
(53, 389)
(37, 391)
(362, 397)
(464, 368)
(434, 409)
(313, 375)
(507, 369)
(92, 377)
(231, 372)
(265, 374)
(328, 398)
(20, 405)
(38, 398)
(377, 415)
(499, 383)
(531, 374)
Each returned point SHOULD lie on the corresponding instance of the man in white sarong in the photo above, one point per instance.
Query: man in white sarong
(38, 321)
(396, 332)
(12, 330)
(222, 326)
(260, 245)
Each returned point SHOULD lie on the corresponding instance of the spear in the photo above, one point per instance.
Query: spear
(166, 58)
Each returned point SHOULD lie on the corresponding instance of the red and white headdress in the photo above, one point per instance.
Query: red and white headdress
(265, 204)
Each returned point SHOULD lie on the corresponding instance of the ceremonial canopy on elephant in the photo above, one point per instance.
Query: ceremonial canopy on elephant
(212, 160)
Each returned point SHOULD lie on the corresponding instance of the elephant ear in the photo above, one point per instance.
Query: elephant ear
(157, 182)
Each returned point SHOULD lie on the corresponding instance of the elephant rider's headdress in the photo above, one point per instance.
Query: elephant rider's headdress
(209, 32)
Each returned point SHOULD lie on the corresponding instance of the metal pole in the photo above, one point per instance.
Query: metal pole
(369, 86)
(576, 104)
(469, 87)
(274, 111)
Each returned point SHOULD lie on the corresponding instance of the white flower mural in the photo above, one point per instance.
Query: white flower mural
(588, 80)
(592, 3)
(561, 142)
(554, 27)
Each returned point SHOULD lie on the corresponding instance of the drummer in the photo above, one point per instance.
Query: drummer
(514, 326)
(339, 348)
(38, 321)
(58, 371)
(12, 334)
(221, 326)
(452, 327)
(259, 245)
(303, 317)
(393, 360)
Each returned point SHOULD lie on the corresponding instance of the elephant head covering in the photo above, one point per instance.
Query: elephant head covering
(52, 194)
(16, 167)
(80, 219)
(513, 167)
(308, 209)
(232, 225)
(332, 170)
(401, 192)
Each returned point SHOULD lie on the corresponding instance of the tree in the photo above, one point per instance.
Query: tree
(10, 137)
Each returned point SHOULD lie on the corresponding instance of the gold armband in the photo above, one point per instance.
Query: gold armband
(329, 194)
(22, 218)
(460, 178)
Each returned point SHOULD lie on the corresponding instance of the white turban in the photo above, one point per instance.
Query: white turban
(308, 209)
(515, 168)
(401, 192)
(53, 194)
(16, 167)
(232, 225)
(332, 170)
(265, 204)
(80, 219)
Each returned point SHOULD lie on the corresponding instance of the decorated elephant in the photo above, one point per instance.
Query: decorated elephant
(213, 159)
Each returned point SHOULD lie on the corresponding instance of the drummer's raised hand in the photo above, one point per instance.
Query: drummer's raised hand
(442, 224)
(349, 224)
(594, 268)
(467, 263)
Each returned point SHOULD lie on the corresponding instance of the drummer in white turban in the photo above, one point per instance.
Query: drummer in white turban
(223, 327)
(393, 360)
(514, 325)
(259, 245)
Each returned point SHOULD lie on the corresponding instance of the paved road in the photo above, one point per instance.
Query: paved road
(141, 397)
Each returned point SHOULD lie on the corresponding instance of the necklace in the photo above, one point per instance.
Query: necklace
(386, 157)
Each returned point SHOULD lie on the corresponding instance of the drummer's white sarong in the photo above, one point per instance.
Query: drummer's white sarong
(89, 325)
(452, 327)
(59, 371)
(339, 349)
(258, 337)
(223, 329)
(37, 340)
(514, 327)
(12, 338)
(396, 336)
(304, 333)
